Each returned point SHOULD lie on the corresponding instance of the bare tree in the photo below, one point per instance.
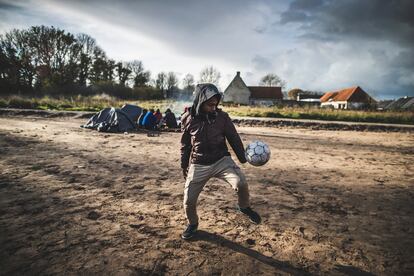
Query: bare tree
(161, 81)
(141, 77)
(188, 82)
(171, 80)
(210, 74)
(273, 80)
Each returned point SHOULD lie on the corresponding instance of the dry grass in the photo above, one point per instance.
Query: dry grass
(406, 117)
(98, 102)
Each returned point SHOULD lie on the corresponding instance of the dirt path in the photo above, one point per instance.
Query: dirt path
(74, 200)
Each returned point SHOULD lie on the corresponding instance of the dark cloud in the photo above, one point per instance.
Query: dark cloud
(380, 31)
(6, 6)
(306, 4)
(167, 18)
(314, 44)
(370, 19)
(294, 16)
(404, 59)
(317, 37)
(192, 27)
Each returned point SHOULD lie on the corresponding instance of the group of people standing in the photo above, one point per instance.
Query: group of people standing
(153, 120)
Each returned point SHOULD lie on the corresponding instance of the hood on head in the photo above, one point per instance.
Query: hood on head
(202, 93)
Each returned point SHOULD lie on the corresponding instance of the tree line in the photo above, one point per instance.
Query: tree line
(47, 60)
(44, 60)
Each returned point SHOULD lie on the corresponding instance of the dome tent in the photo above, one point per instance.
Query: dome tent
(114, 119)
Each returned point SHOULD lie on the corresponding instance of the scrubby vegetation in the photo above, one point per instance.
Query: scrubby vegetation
(98, 102)
(324, 114)
(77, 103)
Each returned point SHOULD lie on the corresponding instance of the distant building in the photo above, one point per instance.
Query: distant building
(238, 92)
(382, 105)
(404, 103)
(349, 98)
(308, 97)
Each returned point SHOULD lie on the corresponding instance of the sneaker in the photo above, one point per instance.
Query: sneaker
(253, 216)
(189, 232)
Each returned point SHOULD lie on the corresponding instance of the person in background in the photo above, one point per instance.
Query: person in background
(141, 118)
(185, 110)
(169, 119)
(150, 121)
(158, 116)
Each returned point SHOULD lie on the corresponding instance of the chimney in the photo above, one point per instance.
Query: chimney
(238, 73)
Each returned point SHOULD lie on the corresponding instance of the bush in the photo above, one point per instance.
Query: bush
(3, 103)
(148, 93)
(20, 102)
(124, 92)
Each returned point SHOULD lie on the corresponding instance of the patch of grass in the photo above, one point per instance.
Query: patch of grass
(313, 113)
(83, 103)
(22, 102)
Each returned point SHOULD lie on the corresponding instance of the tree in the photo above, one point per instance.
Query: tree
(171, 80)
(55, 51)
(124, 72)
(58, 50)
(88, 45)
(188, 87)
(188, 82)
(9, 64)
(272, 80)
(293, 94)
(140, 76)
(51, 60)
(108, 70)
(102, 67)
(161, 81)
(210, 75)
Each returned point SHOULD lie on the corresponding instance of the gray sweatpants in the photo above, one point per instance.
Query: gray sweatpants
(197, 177)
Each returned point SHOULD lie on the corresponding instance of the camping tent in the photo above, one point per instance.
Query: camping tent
(132, 111)
(114, 119)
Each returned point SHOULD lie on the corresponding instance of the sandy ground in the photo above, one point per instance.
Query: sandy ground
(78, 201)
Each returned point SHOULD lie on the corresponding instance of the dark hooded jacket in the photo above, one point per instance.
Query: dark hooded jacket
(204, 135)
(170, 119)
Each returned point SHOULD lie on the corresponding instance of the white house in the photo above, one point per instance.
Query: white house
(238, 92)
(349, 98)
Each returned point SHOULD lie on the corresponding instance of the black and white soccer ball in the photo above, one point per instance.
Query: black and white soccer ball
(257, 153)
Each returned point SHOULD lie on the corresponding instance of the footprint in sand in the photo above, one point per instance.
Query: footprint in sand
(93, 215)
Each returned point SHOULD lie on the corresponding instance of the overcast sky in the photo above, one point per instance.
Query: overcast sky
(320, 45)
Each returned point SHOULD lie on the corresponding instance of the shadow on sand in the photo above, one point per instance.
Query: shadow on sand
(223, 242)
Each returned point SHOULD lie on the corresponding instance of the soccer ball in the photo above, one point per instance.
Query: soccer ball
(257, 153)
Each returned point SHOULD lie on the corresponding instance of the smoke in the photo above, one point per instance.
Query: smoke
(178, 107)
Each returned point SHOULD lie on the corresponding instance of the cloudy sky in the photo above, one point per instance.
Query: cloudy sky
(320, 45)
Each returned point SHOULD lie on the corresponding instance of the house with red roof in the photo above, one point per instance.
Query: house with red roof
(349, 98)
(238, 92)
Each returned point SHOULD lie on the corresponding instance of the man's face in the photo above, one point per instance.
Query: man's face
(210, 105)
